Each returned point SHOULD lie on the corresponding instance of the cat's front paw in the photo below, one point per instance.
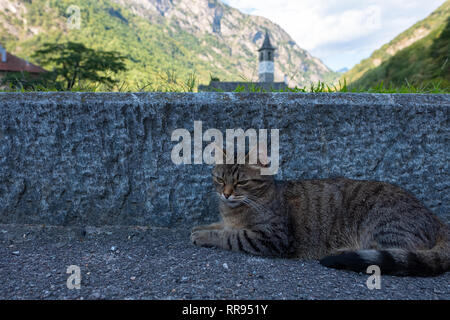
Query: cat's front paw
(201, 238)
(212, 226)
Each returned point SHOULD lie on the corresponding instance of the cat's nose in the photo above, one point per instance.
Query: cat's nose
(227, 191)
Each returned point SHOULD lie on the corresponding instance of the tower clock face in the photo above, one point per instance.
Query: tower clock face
(266, 67)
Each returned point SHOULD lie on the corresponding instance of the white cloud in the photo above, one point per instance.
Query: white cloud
(340, 32)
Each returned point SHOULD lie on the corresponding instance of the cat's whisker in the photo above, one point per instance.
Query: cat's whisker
(251, 205)
(256, 206)
(257, 202)
(258, 209)
(255, 199)
(212, 192)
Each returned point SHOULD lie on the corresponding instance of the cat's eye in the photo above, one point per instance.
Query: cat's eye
(241, 183)
(219, 180)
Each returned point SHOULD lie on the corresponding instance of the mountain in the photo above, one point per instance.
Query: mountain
(423, 63)
(343, 70)
(411, 55)
(162, 39)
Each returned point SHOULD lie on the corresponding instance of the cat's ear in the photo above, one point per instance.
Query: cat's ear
(262, 160)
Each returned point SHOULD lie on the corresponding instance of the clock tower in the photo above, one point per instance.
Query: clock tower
(266, 66)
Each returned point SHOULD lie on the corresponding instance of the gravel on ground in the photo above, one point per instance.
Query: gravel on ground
(133, 262)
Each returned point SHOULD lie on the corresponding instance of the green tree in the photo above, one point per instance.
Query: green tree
(74, 62)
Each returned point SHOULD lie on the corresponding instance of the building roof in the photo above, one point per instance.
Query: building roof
(266, 44)
(14, 63)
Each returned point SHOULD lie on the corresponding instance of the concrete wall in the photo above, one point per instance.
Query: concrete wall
(87, 158)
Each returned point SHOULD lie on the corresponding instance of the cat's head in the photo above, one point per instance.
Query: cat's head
(237, 184)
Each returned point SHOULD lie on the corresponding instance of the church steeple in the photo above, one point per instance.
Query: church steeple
(266, 65)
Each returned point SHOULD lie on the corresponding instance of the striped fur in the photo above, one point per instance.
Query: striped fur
(347, 224)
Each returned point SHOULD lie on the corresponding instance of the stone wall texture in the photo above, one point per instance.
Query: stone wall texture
(105, 158)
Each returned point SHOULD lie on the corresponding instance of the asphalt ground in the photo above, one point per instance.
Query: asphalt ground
(131, 262)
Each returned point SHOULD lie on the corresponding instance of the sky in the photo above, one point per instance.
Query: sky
(340, 32)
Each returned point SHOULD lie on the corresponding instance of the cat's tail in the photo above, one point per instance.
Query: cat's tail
(398, 262)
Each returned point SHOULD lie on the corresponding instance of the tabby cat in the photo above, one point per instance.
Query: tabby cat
(347, 224)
